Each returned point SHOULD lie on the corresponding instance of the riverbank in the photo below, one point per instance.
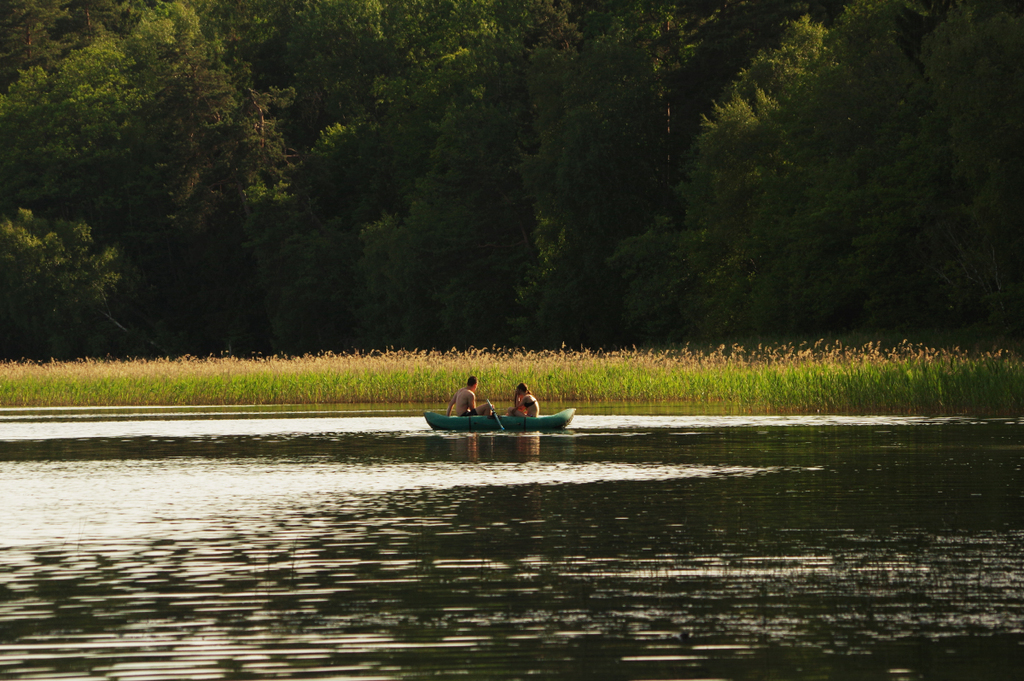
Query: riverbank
(831, 378)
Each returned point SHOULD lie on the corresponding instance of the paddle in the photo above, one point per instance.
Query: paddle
(495, 414)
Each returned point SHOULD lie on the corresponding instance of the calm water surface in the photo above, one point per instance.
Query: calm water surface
(257, 543)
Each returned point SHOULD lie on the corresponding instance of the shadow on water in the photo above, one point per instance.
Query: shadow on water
(740, 549)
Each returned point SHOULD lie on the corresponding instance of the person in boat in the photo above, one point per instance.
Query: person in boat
(525, 403)
(463, 402)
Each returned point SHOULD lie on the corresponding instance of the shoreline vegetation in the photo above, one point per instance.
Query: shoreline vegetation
(904, 378)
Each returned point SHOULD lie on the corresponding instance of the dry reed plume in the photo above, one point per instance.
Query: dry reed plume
(831, 377)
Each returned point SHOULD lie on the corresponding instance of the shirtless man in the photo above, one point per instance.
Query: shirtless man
(464, 401)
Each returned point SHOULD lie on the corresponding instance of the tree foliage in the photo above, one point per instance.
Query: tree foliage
(328, 174)
(53, 288)
(832, 188)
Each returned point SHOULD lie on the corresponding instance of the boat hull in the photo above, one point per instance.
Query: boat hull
(511, 423)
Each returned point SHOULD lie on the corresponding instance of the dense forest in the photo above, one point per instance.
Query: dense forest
(291, 176)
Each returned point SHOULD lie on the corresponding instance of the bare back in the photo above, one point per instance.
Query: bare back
(461, 402)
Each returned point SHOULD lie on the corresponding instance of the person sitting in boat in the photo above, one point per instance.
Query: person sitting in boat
(526, 404)
(463, 402)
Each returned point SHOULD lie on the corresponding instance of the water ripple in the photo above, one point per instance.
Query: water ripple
(256, 422)
(63, 501)
(615, 551)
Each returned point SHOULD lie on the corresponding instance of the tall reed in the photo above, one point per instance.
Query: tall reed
(828, 377)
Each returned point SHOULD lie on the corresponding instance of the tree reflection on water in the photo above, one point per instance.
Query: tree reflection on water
(761, 551)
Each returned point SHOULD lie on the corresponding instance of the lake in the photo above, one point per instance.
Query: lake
(639, 544)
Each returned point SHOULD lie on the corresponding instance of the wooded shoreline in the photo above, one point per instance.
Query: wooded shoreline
(830, 378)
(217, 176)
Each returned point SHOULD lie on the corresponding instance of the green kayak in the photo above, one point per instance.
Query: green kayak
(513, 423)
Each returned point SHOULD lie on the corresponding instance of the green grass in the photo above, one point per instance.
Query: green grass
(904, 379)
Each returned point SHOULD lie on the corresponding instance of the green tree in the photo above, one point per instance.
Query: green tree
(66, 134)
(415, 179)
(463, 250)
(150, 141)
(27, 35)
(206, 141)
(976, 63)
(863, 189)
(843, 126)
(338, 49)
(808, 195)
(307, 273)
(53, 289)
(698, 280)
(596, 178)
(705, 45)
(42, 32)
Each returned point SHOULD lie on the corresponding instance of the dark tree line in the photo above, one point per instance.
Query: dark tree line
(205, 176)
